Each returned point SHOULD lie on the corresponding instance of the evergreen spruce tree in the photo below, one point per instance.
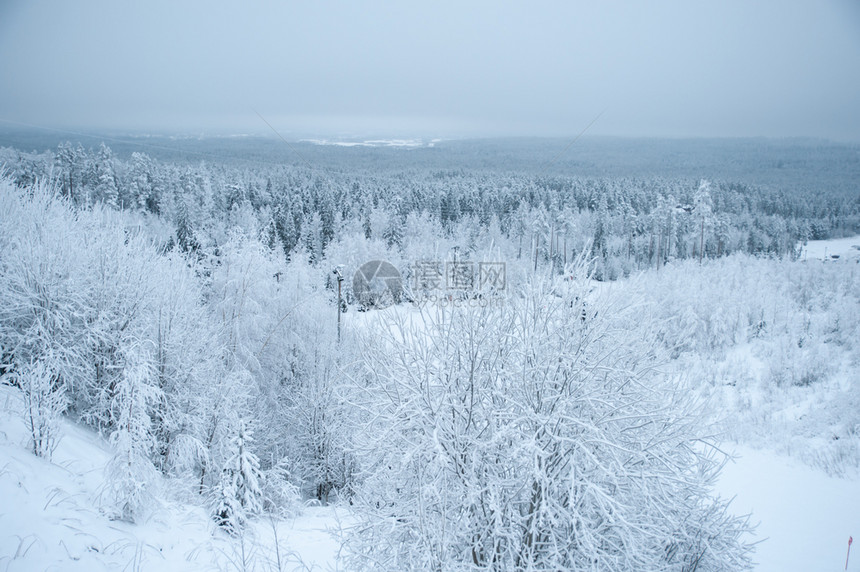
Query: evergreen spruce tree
(106, 187)
(238, 494)
(131, 472)
(185, 236)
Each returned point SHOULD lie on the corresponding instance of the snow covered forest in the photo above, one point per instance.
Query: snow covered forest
(177, 301)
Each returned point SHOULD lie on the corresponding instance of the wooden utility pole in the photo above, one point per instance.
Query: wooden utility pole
(651, 248)
(339, 303)
(702, 242)
(337, 272)
(565, 251)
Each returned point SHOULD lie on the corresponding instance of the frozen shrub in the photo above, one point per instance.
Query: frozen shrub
(44, 402)
(280, 495)
(527, 438)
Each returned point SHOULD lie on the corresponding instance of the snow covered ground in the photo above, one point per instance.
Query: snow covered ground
(844, 248)
(805, 517)
(50, 517)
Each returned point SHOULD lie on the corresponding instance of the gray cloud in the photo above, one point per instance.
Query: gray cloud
(731, 68)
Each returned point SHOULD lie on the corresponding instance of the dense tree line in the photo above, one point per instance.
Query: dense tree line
(629, 223)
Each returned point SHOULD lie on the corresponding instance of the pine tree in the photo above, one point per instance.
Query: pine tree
(312, 238)
(238, 494)
(185, 235)
(145, 189)
(106, 187)
(131, 472)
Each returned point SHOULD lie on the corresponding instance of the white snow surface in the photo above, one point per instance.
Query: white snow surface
(845, 248)
(805, 517)
(51, 519)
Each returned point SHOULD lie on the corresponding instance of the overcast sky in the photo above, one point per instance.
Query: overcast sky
(658, 68)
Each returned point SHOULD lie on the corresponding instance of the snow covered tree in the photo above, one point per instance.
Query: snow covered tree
(106, 187)
(70, 162)
(185, 235)
(238, 494)
(319, 420)
(312, 238)
(703, 211)
(130, 472)
(280, 495)
(143, 184)
(188, 358)
(42, 290)
(534, 437)
(44, 401)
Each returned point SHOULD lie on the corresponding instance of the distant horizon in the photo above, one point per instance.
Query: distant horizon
(312, 136)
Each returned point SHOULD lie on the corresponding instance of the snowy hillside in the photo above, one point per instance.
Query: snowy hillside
(53, 517)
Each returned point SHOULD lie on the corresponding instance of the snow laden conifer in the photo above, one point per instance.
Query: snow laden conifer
(536, 436)
(238, 494)
(130, 472)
